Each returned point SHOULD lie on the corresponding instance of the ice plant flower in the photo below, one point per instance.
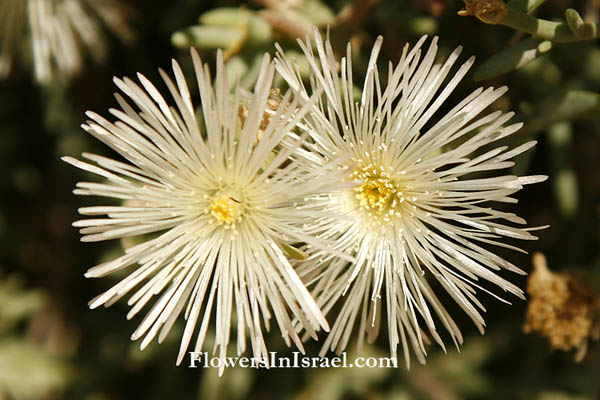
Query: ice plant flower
(56, 31)
(421, 212)
(223, 201)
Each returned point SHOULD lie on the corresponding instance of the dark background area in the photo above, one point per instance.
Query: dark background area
(56, 348)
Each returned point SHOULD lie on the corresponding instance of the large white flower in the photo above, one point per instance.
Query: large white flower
(223, 199)
(420, 213)
(57, 31)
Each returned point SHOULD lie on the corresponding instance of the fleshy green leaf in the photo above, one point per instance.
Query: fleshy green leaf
(292, 252)
(16, 304)
(226, 16)
(564, 178)
(512, 58)
(208, 37)
(27, 373)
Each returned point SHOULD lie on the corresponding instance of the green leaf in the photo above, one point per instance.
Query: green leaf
(292, 252)
(565, 106)
(259, 31)
(512, 58)
(580, 29)
(317, 12)
(423, 25)
(27, 373)
(575, 103)
(564, 178)
(208, 37)
(16, 304)
(226, 16)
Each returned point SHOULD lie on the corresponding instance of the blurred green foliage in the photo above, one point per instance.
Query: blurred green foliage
(29, 366)
(53, 347)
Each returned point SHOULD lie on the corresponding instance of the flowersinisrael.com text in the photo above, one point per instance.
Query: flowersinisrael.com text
(296, 360)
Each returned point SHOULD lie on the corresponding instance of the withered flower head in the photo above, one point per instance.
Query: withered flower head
(562, 308)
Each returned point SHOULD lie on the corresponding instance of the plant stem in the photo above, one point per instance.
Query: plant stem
(497, 12)
(556, 31)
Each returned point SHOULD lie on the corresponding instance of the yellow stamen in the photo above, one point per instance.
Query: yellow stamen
(378, 192)
(226, 210)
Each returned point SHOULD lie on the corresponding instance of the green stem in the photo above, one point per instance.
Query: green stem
(497, 12)
(556, 31)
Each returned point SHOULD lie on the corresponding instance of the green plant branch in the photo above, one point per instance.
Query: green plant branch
(497, 12)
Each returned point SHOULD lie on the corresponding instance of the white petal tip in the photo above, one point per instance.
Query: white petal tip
(179, 358)
(94, 304)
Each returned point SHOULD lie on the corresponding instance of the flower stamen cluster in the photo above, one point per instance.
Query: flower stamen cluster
(378, 193)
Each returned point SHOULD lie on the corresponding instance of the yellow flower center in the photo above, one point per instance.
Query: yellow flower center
(226, 210)
(378, 193)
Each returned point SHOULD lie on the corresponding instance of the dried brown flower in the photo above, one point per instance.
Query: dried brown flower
(562, 308)
(488, 11)
(272, 104)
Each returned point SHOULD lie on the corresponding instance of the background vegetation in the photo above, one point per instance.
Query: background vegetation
(53, 347)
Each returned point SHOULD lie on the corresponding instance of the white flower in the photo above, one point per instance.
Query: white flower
(57, 31)
(223, 199)
(421, 215)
